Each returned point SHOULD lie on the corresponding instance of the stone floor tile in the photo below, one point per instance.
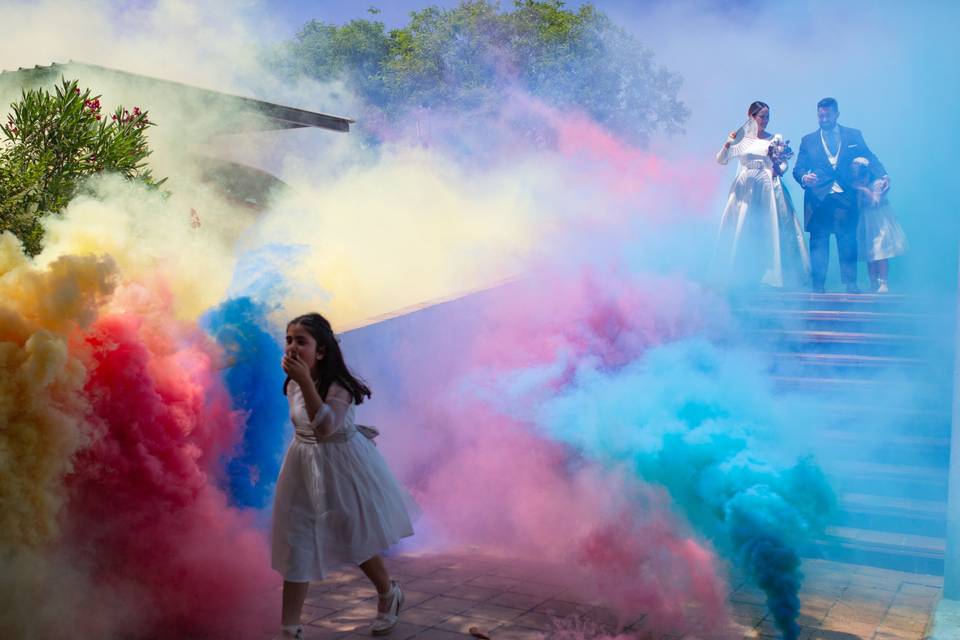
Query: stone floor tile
(574, 597)
(518, 633)
(537, 589)
(496, 612)
(365, 591)
(816, 600)
(858, 612)
(533, 620)
(755, 611)
(424, 617)
(562, 609)
(915, 601)
(917, 589)
(430, 585)
(463, 624)
(312, 612)
(810, 617)
(832, 634)
(605, 616)
(323, 586)
(844, 625)
(511, 572)
(471, 592)
(353, 617)
(440, 634)
(494, 582)
(873, 582)
(888, 633)
(915, 624)
(317, 633)
(402, 631)
(749, 596)
(745, 621)
(335, 600)
(447, 604)
(767, 627)
(454, 575)
(412, 567)
(902, 611)
(518, 600)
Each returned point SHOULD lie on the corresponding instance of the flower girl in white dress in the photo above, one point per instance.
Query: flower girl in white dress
(336, 500)
(879, 235)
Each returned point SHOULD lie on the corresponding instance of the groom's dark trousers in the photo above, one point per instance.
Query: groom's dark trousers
(824, 210)
(836, 213)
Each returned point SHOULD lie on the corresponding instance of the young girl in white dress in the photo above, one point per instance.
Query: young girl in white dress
(879, 235)
(336, 500)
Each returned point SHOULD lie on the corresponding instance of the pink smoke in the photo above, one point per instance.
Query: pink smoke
(144, 508)
(485, 477)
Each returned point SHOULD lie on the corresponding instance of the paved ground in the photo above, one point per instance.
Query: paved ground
(447, 595)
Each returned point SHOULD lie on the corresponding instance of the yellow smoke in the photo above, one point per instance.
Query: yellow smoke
(41, 403)
(182, 243)
(411, 229)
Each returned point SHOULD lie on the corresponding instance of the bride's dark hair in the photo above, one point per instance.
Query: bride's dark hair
(755, 108)
(332, 367)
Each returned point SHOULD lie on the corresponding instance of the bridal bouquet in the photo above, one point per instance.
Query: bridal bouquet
(780, 154)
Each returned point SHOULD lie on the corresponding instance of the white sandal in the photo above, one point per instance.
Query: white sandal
(388, 619)
(292, 632)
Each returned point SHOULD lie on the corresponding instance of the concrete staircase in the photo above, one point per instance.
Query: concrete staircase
(876, 374)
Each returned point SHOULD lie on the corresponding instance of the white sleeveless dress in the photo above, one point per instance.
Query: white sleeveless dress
(336, 501)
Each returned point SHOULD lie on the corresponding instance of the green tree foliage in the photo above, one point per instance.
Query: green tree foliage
(465, 58)
(51, 143)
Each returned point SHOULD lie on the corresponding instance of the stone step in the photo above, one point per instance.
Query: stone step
(887, 479)
(848, 360)
(861, 391)
(845, 342)
(887, 448)
(898, 551)
(873, 422)
(914, 414)
(898, 323)
(877, 372)
(893, 303)
(892, 514)
(851, 366)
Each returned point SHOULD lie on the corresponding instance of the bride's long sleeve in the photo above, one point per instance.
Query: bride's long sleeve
(724, 155)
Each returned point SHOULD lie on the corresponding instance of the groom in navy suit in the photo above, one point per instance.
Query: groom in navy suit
(825, 169)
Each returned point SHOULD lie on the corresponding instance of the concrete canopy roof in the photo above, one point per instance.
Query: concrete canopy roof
(263, 116)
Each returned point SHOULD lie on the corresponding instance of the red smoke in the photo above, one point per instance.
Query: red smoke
(144, 508)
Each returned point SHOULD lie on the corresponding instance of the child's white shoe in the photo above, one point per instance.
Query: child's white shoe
(387, 620)
(882, 286)
(290, 632)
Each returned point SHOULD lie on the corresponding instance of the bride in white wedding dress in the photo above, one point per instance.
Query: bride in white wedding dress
(761, 239)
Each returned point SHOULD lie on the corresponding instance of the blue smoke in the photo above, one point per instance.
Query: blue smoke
(254, 379)
(698, 420)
